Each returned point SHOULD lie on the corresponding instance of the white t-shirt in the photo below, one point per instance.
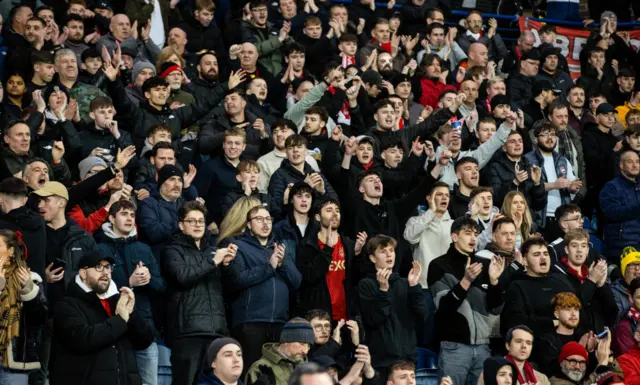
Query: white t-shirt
(302, 227)
(553, 197)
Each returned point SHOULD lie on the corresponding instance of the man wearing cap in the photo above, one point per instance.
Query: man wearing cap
(620, 202)
(600, 147)
(520, 85)
(632, 104)
(282, 358)
(96, 326)
(142, 70)
(543, 94)
(223, 363)
(158, 214)
(630, 269)
(560, 80)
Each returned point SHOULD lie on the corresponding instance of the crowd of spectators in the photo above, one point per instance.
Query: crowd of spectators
(307, 193)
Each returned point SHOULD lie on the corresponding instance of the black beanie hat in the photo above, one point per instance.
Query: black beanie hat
(166, 172)
(215, 346)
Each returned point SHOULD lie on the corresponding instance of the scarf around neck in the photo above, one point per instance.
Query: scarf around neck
(529, 374)
(11, 309)
(582, 275)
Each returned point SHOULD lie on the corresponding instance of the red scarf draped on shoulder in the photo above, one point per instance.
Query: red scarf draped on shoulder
(529, 374)
(582, 275)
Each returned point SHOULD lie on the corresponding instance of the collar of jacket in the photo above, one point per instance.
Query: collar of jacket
(289, 167)
(250, 238)
(152, 110)
(205, 83)
(111, 291)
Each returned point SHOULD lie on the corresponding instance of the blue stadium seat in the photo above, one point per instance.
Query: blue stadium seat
(426, 359)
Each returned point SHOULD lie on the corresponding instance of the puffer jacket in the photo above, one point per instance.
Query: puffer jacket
(500, 173)
(157, 220)
(260, 293)
(266, 42)
(128, 253)
(620, 292)
(620, 203)
(195, 304)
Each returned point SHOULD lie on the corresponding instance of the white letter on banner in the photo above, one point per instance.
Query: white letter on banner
(578, 42)
(562, 42)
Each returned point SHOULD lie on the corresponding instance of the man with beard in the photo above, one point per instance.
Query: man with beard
(528, 299)
(451, 141)
(158, 214)
(430, 81)
(536, 109)
(325, 259)
(520, 85)
(558, 178)
(97, 326)
(174, 77)
(575, 368)
(208, 76)
(549, 71)
(93, 211)
(270, 162)
(234, 115)
(262, 278)
(600, 147)
(622, 90)
(142, 70)
(510, 171)
(43, 71)
(599, 307)
(579, 116)
(134, 266)
(381, 41)
(619, 200)
(75, 37)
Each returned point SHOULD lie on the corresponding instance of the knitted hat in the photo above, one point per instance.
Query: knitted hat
(88, 163)
(216, 345)
(572, 349)
(167, 68)
(166, 172)
(499, 100)
(53, 88)
(629, 255)
(400, 78)
(139, 66)
(297, 82)
(297, 330)
(609, 378)
(90, 53)
(128, 51)
(608, 14)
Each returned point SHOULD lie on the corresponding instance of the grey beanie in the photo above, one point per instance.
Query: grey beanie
(608, 14)
(216, 345)
(297, 330)
(139, 66)
(87, 163)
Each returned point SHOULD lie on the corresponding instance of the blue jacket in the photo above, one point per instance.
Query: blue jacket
(215, 178)
(128, 252)
(620, 203)
(157, 220)
(260, 292)
(535, 159)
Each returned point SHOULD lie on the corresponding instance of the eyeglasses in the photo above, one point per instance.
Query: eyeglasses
(634, 266)
(581, 363)
(101, 268)
(259, 10)
(263, 219)
(475, 22)
(194, 222)
(578, 219)
(321, 327)
(548, 135)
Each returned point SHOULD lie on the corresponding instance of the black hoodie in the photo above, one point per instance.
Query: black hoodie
(492, 366)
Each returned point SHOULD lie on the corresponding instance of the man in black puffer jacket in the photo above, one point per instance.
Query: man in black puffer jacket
(501, 175)
(191, 266)
(97, 329)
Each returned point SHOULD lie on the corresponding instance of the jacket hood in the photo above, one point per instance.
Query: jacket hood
(107, 229)
(491, 367)
(270, 352)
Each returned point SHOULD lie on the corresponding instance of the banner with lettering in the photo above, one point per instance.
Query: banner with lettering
(571, 41)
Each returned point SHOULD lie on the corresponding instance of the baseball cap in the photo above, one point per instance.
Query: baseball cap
(103, 5)
(532, 54)
(544, 85)
(53, 188)
(92, 258)
(605, 108)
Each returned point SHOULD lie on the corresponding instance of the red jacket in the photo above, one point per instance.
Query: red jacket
(630, 364)
(90, 223)
(431, 92)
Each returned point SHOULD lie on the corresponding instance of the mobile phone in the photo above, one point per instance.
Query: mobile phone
(348, 84)
(602, 335)
(58, 263)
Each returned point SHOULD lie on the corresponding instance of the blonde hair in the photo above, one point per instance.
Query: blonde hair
(164, 56)
(527, 221)
(235, 221)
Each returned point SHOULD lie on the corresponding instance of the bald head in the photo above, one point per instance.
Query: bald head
(526, 41)
(177, 39)
(248, 56)
(478, 55)
(120, 27)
